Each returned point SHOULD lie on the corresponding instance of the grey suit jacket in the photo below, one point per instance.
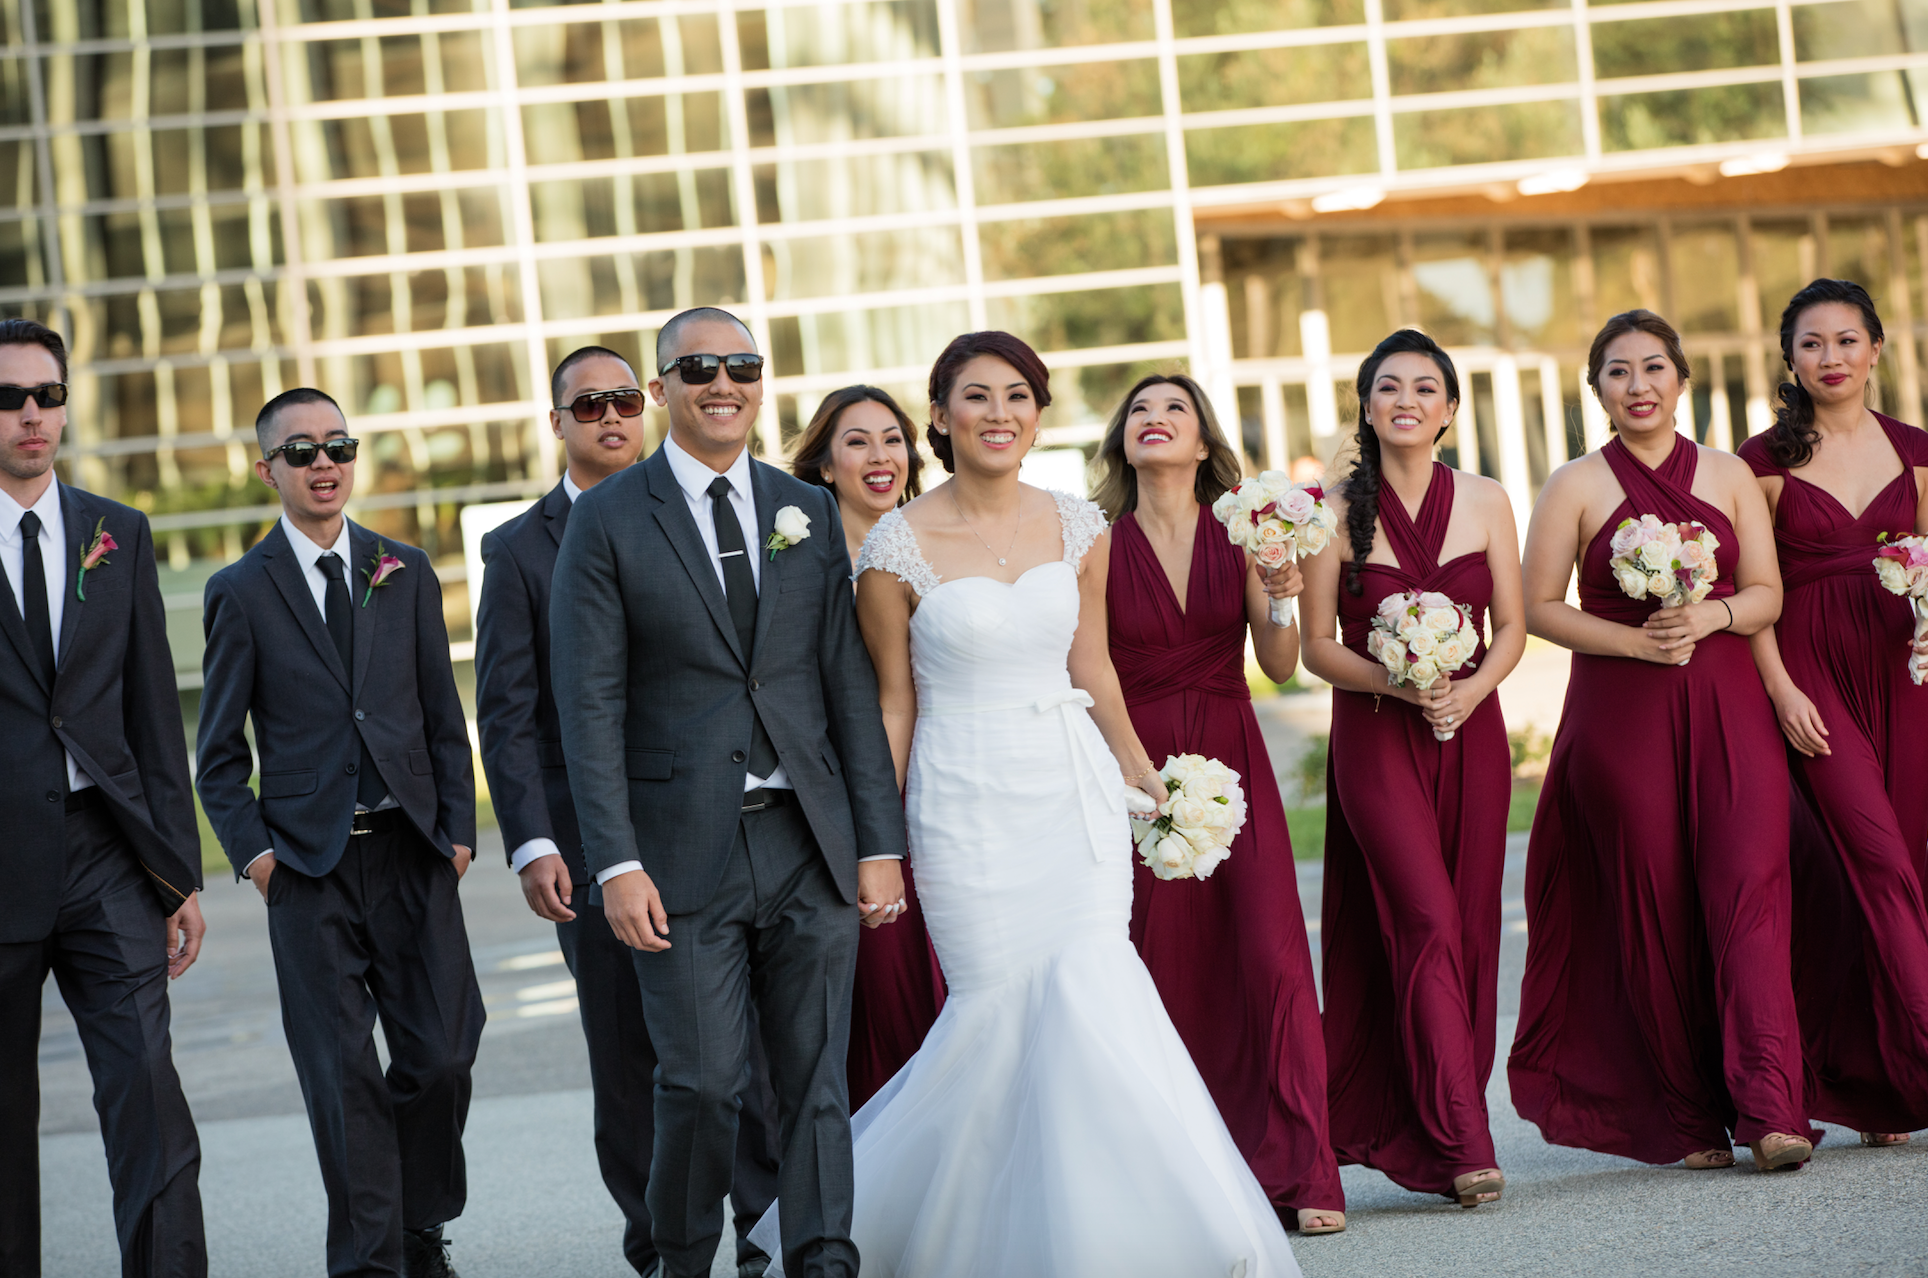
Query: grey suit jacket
(269, 657)
(654, 692)
(515, 706)
(113, 705)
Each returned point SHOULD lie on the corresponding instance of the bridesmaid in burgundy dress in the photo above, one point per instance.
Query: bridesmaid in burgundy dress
(1657, 1014)
(858, 446)
(1835, 666)
(1415, 826)
(1228, 953)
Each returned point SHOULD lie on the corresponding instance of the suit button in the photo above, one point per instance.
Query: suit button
(736, 756)
(350, 769)
(53, 796)
(754, 685)
(57, 717)
(359, 716)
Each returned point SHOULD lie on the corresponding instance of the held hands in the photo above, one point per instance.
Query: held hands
(1669, 635)
(1800, 721)
(635, 912)
(185, 928)
(546, 887)
(880, 891)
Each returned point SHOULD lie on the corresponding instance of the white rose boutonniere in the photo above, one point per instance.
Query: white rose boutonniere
(792, 526)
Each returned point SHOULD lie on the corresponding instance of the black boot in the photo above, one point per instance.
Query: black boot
(425, 1254)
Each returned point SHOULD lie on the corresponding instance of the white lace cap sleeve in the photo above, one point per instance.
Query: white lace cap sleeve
(892, 547)
(1081, 523)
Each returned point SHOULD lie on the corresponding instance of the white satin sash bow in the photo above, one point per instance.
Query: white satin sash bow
(1088, 770)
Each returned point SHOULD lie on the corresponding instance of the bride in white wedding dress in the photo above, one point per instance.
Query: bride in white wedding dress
(1052, 1125)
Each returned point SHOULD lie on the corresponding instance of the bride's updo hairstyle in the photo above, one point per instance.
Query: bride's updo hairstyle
(1647, 322)
(1116, 489)
(1792, 437)
(1361, 484)
(962, 350)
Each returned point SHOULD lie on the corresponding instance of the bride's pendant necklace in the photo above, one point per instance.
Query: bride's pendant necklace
(1001, 559)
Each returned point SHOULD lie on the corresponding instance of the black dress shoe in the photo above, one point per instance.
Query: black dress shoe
(425, 1254)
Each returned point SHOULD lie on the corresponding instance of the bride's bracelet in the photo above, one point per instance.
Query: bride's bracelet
(1140, 775)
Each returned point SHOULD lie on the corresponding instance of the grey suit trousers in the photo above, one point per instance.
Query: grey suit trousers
(778, 937)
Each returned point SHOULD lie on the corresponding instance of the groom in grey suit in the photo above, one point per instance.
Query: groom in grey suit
(735, 789)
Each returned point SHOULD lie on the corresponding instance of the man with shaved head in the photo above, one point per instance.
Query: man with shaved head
(734, 787)
(598, 416)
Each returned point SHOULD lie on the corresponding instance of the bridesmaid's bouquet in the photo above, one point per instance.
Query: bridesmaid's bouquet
(1672, 564)
(1201, 815)
(1902, 565)
(1275, 518)
(1421, 637)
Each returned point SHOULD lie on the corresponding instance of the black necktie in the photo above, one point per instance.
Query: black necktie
(369, 789)
(739, 584)
(33, 595)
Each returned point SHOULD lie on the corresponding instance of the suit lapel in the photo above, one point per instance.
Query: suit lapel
(363, 552)
(673, 515)
(555, 513)
(15, 627)
(286, 573)
(79, 516)
(770, 571)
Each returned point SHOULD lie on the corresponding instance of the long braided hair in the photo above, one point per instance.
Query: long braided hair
(1792, 437)
(1361, 486)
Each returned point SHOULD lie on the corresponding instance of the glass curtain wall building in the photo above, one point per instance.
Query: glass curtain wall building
(418, 205)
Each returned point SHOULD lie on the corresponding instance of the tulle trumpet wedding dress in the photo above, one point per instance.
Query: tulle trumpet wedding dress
(1052, 1126)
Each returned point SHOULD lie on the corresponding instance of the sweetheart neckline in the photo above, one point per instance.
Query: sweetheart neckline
(950, 581)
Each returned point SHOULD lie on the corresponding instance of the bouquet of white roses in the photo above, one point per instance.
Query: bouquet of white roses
(1422, 637)
(1902, 565)
(1275, 518)
(1202, 813)
(1672, 564)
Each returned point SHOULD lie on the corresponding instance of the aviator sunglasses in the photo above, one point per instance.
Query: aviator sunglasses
(47, 395)
(700, 370)
(301, 453)
(588, 407)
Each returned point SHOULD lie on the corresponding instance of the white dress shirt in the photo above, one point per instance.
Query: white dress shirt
(53, 557)
(308, 555)
(694, 478)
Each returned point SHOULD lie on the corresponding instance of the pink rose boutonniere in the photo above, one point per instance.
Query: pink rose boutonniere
(386, 566)
(94, 556)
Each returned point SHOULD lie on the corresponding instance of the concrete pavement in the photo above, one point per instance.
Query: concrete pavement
(537, 1205)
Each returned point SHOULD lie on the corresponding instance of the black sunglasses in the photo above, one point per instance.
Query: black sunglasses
(588, 407)
(47, 395)
(700, 370)
(301, 453)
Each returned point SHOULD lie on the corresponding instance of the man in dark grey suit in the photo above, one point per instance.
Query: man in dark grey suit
(364, 823)
(100, 855)
(599, 419)
(730, 771)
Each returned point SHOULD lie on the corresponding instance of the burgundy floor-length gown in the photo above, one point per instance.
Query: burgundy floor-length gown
(1415, 850)
(1657, 1014)
(898, 993)
(1228, 953)
(1860, 834)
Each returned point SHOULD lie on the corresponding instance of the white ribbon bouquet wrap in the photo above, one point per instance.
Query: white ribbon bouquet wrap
(1275, 519)
(1421, 637)
(1902, 565)
(1192, 831)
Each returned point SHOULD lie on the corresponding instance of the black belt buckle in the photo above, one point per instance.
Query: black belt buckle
(759, 799)
(353, 833)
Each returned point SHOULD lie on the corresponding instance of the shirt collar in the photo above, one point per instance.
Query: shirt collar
(47, 507)
(569, 487)
(307, 551)
(695, 477)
